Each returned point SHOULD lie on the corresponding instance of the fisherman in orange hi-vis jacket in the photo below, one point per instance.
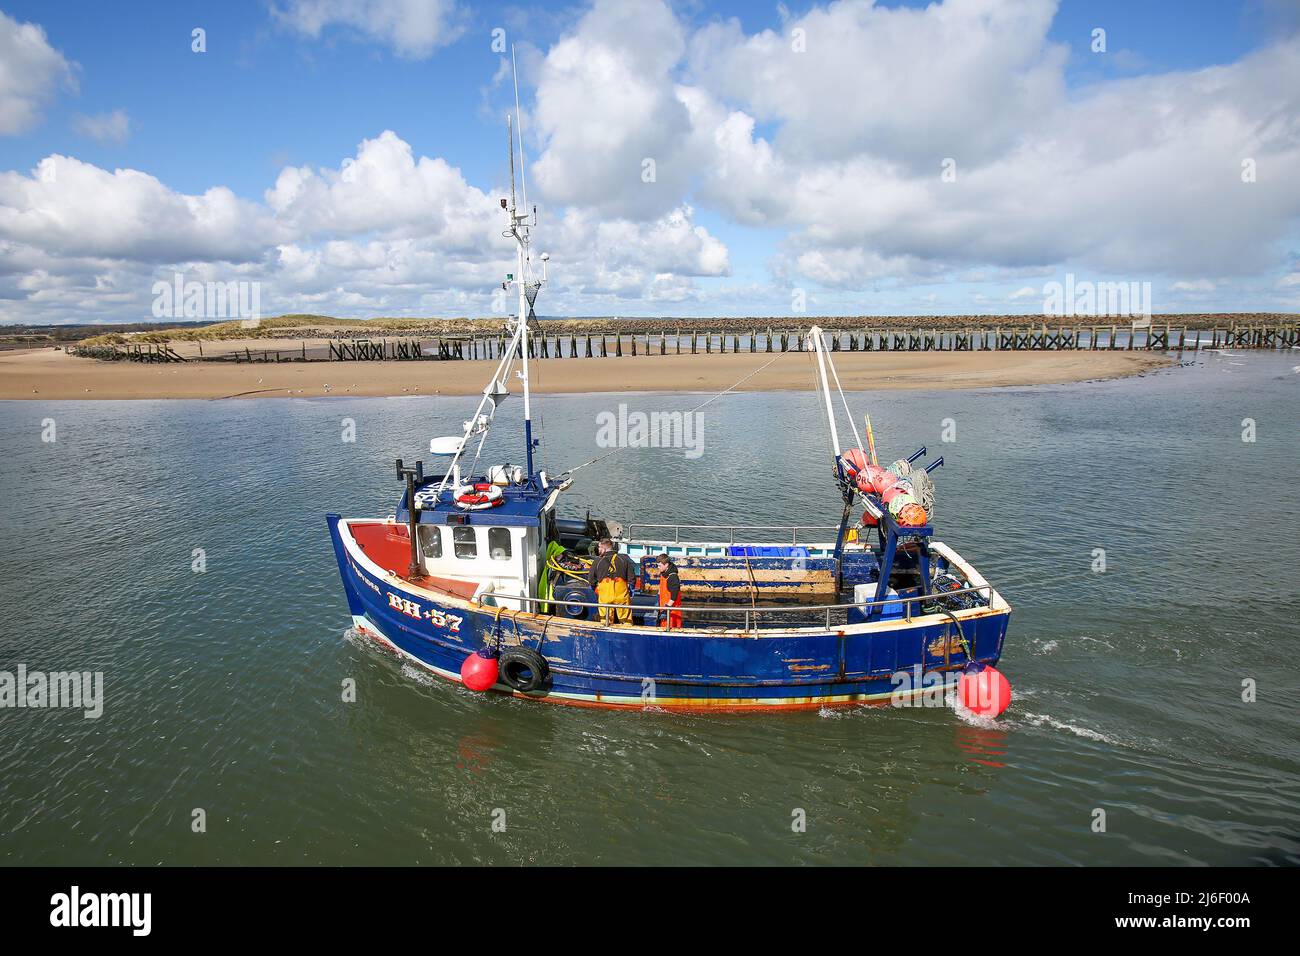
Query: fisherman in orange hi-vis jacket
(670, 592)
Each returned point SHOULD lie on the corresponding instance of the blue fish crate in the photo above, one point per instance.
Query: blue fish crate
(766, 551)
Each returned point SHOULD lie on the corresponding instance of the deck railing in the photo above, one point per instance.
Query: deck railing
(730, 530)
(753, 612)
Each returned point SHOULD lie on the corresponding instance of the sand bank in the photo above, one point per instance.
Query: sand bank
(44, 374)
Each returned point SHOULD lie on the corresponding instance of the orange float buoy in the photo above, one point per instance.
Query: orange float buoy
(912, 516)
(855, 460)
(984, 691)
(479, 671)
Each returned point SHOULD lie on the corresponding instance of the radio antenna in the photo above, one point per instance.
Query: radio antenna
(519, 123)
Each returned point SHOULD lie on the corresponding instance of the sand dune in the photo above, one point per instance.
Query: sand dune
(53, 374)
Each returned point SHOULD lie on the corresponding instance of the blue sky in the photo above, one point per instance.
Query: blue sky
(847, 211)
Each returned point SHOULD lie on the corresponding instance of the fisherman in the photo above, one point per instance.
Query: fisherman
(670, 592)
(611, 578)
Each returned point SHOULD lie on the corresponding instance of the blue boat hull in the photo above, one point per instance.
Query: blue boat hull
(639, 667)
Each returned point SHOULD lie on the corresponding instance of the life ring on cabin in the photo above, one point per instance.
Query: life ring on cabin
(522, 669)
(479, 496)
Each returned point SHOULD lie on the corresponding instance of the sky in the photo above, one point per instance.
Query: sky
(686, 158)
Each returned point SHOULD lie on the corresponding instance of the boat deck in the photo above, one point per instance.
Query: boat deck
(723, 584)
(389, 546)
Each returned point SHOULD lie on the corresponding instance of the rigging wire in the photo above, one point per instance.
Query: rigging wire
(812, 352)
(692, 411)
(845, 401)
(535, 372)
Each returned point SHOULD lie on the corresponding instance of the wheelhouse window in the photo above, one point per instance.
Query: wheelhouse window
(499, 544)
(465, 541)
(430, 540)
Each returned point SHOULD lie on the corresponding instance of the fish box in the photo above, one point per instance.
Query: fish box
(867, 592)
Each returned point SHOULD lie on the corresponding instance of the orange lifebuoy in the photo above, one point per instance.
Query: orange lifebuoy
(483, 495)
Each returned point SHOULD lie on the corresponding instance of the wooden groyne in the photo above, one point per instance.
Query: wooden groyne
(1085, 338)
(152, 352)
(546, 344)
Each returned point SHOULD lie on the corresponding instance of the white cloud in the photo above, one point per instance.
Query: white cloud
(1136, 177)
(833, 152)
(68, 207)
(1024, 292)
(1194, 285)
(851, 267)
(846, 78)
(385, 188)
(667, 287)
(110, 128)
(606, 107)
(30, 73)
(413, 28)
(841, 145)
(385, 232)
(670, 244)
(599, 261)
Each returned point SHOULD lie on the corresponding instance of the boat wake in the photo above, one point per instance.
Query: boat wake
(972, 719)
(368, 645)
(842, 713)
(1046, 720)
(417, 675)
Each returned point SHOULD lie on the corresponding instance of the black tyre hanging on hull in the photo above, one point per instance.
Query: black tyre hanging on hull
(523, 669)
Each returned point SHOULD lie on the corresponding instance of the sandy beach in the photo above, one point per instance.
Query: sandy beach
(44, 374)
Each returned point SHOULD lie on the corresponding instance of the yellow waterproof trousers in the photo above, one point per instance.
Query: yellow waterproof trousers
(614, 591)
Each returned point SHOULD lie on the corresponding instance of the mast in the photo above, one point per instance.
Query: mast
(520, 228)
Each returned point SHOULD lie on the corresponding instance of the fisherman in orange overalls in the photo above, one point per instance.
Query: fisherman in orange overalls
(670, 593)
(611, 578)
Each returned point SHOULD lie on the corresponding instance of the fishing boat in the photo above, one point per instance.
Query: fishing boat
(477, 577)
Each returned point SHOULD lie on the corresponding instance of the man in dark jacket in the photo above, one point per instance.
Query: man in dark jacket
(611, 578)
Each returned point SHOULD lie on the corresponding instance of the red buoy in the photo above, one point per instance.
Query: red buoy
(984, 691)
(479, 672)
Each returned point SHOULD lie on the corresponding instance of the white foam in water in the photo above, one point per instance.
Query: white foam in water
(967, 716)
(1040, 720)
(861, 709)
(1013, 719)
(416, 674)
(1098, 640)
